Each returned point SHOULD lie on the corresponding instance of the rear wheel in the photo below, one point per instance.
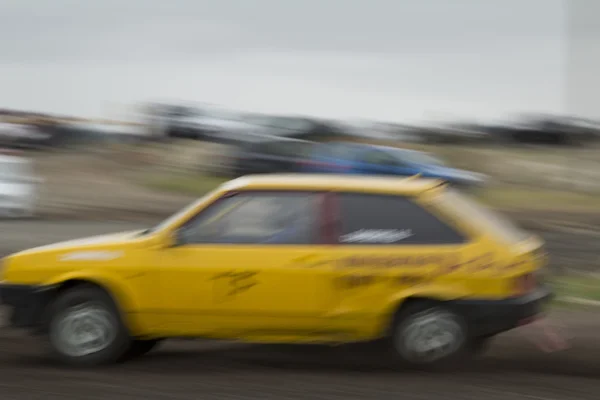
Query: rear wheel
(85, 328)
(428, 335)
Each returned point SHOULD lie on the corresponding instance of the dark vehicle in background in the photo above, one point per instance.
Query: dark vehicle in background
(269, 155)
(216, 124)
(270, 144)
(547, 130)
(185, 123)
(32, 135)
(296, 127)
(365, 159)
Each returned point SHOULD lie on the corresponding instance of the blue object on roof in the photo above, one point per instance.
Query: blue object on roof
(365, 159)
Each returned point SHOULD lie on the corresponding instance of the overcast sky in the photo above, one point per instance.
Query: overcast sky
(388, 59)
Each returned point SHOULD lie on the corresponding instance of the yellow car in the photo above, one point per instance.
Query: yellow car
(409, 263)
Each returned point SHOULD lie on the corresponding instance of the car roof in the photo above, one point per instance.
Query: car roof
(334, 182)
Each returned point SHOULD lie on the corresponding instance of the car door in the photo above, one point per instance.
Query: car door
(385, 246)
(251, 263)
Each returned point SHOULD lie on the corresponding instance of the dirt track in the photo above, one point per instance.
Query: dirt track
(514, 369)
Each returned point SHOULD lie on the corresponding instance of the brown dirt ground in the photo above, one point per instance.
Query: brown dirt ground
(513, 369)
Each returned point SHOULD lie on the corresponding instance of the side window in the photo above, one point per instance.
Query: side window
(367, 219)
(256, 218)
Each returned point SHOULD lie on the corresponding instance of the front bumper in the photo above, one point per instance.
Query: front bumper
(490, 317)
(27, 303)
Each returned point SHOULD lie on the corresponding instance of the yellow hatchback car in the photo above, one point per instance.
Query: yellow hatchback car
(409, 263)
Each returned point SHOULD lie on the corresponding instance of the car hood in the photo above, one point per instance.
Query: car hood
(99, 242)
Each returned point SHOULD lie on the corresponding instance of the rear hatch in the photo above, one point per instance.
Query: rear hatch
(483, 218)
(523, 253)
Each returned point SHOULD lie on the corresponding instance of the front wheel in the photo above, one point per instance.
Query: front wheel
(85, 328)
(428, 336)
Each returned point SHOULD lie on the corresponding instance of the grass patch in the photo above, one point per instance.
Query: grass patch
(567, 288)
(520, 197)
(583, 287)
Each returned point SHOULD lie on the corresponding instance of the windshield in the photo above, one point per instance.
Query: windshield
(175, 216)
(466, 208)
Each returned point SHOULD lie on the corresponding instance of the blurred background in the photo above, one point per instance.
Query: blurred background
(116, 113)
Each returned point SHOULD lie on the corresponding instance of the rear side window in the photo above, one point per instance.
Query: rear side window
(368, 219)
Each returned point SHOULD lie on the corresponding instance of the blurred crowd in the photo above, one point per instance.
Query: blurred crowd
(210, 123)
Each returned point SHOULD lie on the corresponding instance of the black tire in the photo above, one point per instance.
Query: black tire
(415, 320)
(140, 347)
(101, 311)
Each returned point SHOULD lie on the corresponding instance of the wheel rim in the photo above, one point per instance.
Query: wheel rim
(84, 329)
(430, 336)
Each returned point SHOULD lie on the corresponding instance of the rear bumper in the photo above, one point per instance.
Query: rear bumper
(490, 317)
(27, 303)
